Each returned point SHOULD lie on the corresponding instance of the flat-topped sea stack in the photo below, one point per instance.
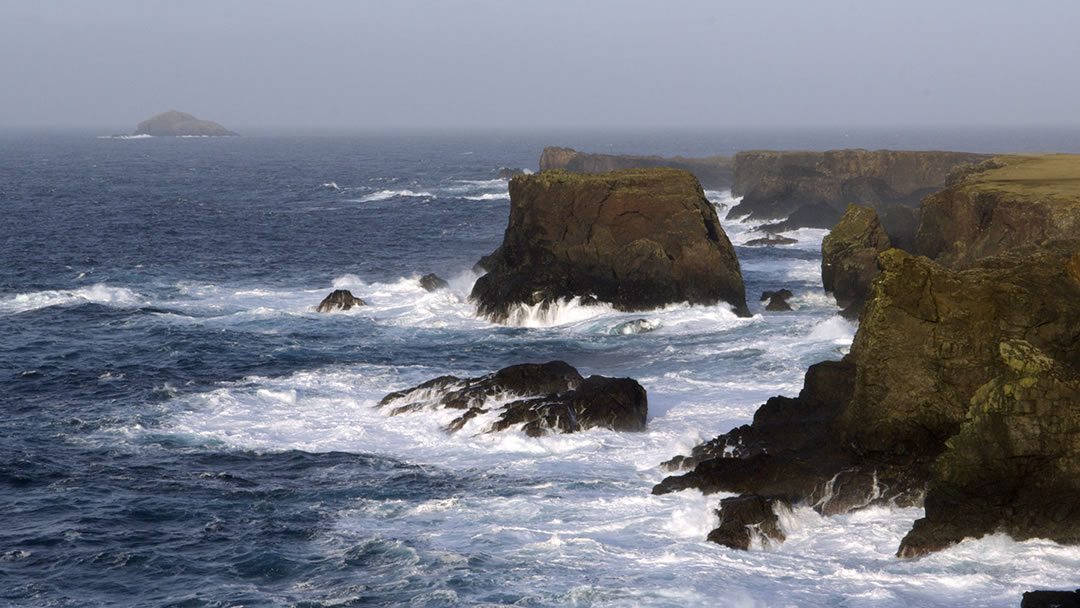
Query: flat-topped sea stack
(179, 124)
(711, 171)
(638, 239)
(961, 391)
(812, 189)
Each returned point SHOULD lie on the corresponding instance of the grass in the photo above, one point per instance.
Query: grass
(1051, 176)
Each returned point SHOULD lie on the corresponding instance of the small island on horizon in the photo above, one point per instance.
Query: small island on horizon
(181, 124)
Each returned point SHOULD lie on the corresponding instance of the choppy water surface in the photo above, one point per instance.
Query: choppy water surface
(181, 428)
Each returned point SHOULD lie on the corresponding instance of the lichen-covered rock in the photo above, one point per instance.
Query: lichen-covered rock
(849, 257)
(811, 189)
(712, 171)
(339, 299)
(638, 239)
(540, 398)
(173, 123)
(995, 206)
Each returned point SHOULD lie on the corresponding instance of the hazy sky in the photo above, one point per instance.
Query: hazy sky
(541, 63)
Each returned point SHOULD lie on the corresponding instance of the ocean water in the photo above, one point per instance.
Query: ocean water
(180, 428)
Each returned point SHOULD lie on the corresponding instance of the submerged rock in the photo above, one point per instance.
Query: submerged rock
(180, 124)
(849, 258)
(433, 282)
(637, 326)
(541, 398)
(639, 239)
(771, 240)
(340, 299)
(712, 171)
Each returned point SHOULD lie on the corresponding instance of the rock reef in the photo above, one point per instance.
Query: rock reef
(179, 124)
(812, 189)
(711, 171)
(540, 398)
(638, 239)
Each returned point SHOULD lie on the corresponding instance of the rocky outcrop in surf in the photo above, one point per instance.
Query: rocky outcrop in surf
(508, 172)
(433, 282)
(712, 171)
(778, 300)
(812, 189)
(849, 257)
(962, 383)
(340, 299)
(539, 398)
(173, 123)
(638, 239)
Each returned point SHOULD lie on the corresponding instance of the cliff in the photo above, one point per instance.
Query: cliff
(637, 238)
(812, 189)
(712, 171)
(173, 123)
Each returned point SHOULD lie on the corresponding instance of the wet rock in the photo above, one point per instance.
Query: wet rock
(778, 300)
(638, 239)
(744, 519)
(340, 299)
(433, 282)
(540, 398)
(771, 240)
(508, 172)
(1051, 599)
(849, 258)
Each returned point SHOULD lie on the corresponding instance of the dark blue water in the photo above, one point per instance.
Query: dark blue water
(123, 269)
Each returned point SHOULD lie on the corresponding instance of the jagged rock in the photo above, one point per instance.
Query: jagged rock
(778, 300)
(712, 171)
(340, 299)
(543, 398)
(433, 282)
(849, 257)
(180, 124)
(639, 239)
(508, 172)
(1051, 599)
(993, 207)
(771, 240)
(811, 189)
(746, 518)
(901, 225)
(868, 429)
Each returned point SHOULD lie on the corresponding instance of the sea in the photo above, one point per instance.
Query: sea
(179, 427)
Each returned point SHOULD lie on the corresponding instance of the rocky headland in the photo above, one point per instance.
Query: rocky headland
(179, 124)
(712, 171)
(540, 398)
(637, 238)
(961, 390)
(812, 189)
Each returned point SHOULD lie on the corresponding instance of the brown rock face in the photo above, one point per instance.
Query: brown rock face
(811, 189)
(547, 398)
(849, 257)
(340, 299)
(638, 239)
(712, 171)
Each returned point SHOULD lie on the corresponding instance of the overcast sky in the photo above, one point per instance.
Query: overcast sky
(541, 63)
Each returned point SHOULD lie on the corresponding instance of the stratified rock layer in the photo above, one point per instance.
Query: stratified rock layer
(173, 123)
(541, 398)
(812, 189)
(849, 257)
(638, 239)
(711, 171)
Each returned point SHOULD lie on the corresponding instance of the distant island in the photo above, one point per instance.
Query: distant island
(180, 124)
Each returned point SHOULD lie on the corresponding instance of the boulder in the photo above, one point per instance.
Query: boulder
(1007, 202)
(173, 123)
(928, 377)
(433, 282)
(638, 239)
(849, 257)
(1051, 599)
(745, 519)
(811, 189)
(712, 172)
(508, 172)
(778, 300)
(540, 398)
(340, 299)
(770, 240)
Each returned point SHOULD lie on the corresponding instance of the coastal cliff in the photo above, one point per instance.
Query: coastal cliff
(712, 171)
(180, 124)
(812, 189)
(638, 239)
(961, 386)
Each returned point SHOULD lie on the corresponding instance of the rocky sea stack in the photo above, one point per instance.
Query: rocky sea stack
(711, 171)
(179, 124)
(638, 239)
(961, 390)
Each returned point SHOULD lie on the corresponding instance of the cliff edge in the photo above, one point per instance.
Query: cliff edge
(712, 171)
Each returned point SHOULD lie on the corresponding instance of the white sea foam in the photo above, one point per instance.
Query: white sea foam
(98, 293)
(561, 312)
(489, 196)
(143, 136)
(383, 195)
